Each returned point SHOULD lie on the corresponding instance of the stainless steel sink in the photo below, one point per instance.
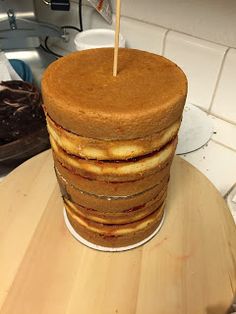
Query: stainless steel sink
(36, 58)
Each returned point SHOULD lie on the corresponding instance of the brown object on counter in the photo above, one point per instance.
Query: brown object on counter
(23, 131)
(21, 111)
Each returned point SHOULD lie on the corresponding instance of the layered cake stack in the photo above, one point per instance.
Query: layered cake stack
(113, 140)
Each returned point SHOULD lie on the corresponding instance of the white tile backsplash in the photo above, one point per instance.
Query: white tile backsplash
(143, 36)
(224, 104)
(210, 20)
(200, 60)
(217, 162)
(225, 133)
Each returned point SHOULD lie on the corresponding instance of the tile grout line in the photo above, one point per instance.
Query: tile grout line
(218, 79)
(223, 119)
(154, 25)
(224, 145)
(178, 31)
(227, 193)
(213, 114)
(199, 107)
(141, 21)
(164, 42)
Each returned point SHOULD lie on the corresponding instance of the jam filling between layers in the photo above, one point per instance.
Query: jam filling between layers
(124, 217)
(73, 172)
(116, 230)
(116, 168)
(109, 198)
(98, 149)
(116, 161)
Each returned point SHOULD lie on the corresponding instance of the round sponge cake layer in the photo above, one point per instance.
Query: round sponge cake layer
(89, 148)
(82, 96)
(108, 188)
(113, 170)
(109, 204)
(113, 235)
(119, 218)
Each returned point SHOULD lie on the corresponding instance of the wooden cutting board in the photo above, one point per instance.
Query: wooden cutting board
(189, 267)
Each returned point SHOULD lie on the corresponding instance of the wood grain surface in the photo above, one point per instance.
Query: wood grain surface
(189, 267)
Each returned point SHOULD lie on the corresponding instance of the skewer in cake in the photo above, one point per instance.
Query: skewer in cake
(113, 140)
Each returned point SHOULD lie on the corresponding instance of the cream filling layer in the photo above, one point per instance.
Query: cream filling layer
(109, 150)
(118, 230)
(101, 196)
(119, 218)
(116, 168)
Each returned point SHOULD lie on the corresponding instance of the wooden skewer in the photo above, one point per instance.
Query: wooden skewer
(117, 35)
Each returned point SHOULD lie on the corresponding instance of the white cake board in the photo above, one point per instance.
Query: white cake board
(195, 131)
(104, 248)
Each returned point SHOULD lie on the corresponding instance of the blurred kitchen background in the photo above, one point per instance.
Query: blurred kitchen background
(197, 35)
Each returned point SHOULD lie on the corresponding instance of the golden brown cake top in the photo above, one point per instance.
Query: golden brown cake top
(81, 95)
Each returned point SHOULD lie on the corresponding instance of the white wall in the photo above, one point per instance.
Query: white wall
(214, 20)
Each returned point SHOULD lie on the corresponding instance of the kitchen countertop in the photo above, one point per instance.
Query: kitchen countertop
(45, 270)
